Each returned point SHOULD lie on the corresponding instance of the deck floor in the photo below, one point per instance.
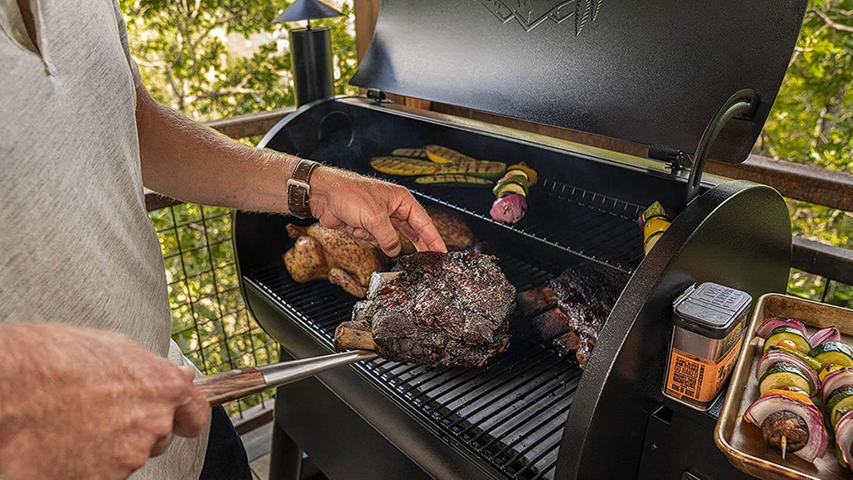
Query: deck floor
(257, 443)
(261, 467)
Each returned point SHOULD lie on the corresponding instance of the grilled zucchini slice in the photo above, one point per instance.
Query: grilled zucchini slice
(840, 401)
(840, 413)
(782, 375)
(828, 353)
(788, 333)
(453, 180)
(509, 188)
(516, 173)
(827, 370)
(802, 356)
(475, 168)
(531, 174)
(411, 153)
(403, 166)
(511, 185)
(439, 154)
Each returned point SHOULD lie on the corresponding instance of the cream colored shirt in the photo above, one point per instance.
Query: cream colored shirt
(76, 245)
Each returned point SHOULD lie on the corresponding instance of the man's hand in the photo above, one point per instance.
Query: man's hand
(82, 403)
(369, 209)
(191, 162)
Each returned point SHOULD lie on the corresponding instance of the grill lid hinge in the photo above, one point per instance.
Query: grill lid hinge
(675, 159)
(378, 96)
(742, 105)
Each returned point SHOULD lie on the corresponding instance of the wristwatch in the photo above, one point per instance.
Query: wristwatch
(298, 189)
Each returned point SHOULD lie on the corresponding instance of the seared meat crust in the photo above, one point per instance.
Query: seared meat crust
(443, 309)
(571, 309)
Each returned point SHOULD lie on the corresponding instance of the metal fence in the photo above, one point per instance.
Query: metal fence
(209, 319)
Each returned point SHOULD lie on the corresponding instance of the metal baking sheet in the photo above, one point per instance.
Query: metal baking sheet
(741, 442)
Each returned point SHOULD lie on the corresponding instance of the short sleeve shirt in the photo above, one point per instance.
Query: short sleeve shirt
(76, 245)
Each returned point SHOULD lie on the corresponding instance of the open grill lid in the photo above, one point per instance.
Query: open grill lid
(651, 72)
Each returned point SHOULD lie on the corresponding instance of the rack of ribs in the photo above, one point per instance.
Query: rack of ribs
(570, 310)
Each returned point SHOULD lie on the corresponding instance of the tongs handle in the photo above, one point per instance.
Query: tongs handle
(231, 385)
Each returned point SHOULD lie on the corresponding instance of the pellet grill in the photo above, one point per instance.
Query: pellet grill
(682, 77)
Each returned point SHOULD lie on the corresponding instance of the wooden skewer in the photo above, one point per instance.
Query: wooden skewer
(784, 446)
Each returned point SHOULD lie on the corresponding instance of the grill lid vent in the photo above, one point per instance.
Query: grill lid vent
(651, 72)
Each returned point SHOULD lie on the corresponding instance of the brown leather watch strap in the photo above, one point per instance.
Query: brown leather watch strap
(299, 190)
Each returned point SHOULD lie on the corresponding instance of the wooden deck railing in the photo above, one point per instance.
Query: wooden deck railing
(802, 182)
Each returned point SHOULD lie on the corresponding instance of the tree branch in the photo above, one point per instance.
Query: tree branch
(832, 24)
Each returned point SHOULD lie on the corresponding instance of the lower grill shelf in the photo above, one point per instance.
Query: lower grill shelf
(510, 413)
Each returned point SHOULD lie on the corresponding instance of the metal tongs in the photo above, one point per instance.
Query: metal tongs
(232, 385)
(224, 387)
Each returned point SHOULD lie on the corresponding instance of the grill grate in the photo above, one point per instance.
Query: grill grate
(593, 226)
(510, 413)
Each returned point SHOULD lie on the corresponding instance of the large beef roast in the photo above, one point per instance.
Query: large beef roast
(439, 309)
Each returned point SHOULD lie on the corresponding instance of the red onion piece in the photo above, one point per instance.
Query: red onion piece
(836, 379)
(771, 324)
(844, 438)
(829, 334)
(509, 208)
(773, 357)
(818, 440)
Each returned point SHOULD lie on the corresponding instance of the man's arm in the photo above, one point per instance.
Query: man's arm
(78, 402)
(191, 162)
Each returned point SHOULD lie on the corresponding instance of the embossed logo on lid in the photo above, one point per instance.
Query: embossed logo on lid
(531, 13)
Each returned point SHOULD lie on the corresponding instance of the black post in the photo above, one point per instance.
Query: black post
(286, 456)
(311, 59)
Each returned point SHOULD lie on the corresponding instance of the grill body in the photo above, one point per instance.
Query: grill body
(529, 414)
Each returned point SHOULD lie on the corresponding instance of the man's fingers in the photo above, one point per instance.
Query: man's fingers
(408, 232)
(192, 416)
(161, 445)
(422, 232)
(385, 235)
(365, 244)
(360, 234)
(330, 221)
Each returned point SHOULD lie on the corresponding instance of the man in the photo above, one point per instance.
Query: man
(85, 387)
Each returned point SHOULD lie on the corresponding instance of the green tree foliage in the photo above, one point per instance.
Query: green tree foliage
(812, 122)
(193, 55)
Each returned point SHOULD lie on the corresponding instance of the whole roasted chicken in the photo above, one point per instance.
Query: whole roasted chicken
(321, 253)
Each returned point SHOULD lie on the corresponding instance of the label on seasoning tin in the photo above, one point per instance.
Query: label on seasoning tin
(698, 379)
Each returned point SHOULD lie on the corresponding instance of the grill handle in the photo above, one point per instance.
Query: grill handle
(234, 384)
(740, 105)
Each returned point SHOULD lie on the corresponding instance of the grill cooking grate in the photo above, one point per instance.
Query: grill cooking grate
(593, 226)
(510, 413)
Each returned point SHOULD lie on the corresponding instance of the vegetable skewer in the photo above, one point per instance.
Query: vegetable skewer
(788, 380)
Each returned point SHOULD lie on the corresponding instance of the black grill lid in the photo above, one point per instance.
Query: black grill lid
(652, 72)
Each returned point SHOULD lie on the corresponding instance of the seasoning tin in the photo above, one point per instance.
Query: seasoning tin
(707, 333)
